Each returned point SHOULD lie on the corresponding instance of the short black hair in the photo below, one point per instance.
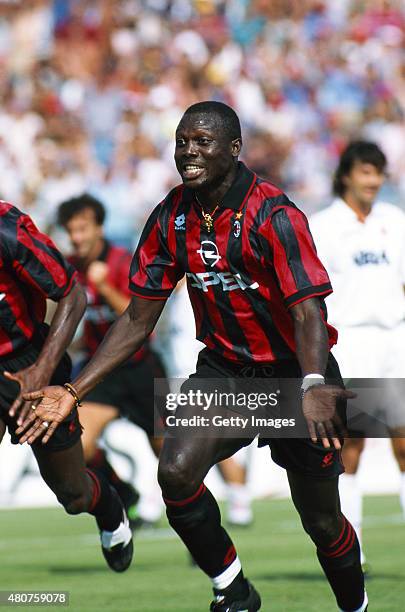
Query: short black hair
(227, 117)
(359, 150)
(72, 207)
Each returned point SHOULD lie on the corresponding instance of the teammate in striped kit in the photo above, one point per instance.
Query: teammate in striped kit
(361, 241)
(257, 289)
(31, 271)
(129, 392)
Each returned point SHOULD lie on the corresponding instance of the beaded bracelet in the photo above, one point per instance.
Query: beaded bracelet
(73, 393)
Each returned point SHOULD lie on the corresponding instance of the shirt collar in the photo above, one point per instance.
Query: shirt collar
(345, 209)
(105, 250)
(237, 193)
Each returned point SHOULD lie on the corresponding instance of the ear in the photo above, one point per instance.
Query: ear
(236, 147)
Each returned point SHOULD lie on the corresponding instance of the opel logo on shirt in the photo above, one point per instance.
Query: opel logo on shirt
(209, 253)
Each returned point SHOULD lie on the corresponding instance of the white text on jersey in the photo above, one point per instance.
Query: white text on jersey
(229, 281)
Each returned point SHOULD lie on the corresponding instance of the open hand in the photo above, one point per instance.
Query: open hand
(55, 405)
(29, 379)
(319, 408)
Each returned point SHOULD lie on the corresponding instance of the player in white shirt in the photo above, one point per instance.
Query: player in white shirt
(361, 242)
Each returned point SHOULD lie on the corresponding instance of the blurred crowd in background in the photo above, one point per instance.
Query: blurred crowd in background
(91, 92)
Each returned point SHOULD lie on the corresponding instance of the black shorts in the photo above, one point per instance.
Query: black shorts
(130, 388)
(294, 454)
(69, 431)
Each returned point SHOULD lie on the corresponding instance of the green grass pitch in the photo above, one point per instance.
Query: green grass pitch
(46, 549)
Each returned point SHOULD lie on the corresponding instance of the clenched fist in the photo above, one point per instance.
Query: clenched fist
(97, 272)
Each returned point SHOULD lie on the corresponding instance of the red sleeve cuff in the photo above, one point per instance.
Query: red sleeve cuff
(308, 293)
(71, 283)
(149, 294)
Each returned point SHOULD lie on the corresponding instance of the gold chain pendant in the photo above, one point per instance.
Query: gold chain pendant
(208, 222)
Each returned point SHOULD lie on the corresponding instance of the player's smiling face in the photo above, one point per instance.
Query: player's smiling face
(204, 154)
(363, 183)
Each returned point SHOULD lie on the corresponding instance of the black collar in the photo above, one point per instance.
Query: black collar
(104, 252)
(237, 193)
(79, 264)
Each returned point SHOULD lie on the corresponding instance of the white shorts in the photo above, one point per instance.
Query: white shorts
(370, 352)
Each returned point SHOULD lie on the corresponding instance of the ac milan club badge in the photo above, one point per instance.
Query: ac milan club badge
(236, 225)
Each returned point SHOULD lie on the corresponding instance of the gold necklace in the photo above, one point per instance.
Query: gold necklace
(208, 217)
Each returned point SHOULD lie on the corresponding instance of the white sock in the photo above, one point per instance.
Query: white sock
(363, 605)
(351, 501)
(402, 493)
(223, 580)
(239, 504)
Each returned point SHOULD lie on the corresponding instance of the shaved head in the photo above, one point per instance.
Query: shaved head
(223, 115)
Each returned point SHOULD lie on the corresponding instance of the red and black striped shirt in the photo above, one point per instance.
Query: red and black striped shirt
(31, 270)
(99, 315)
(243, 276)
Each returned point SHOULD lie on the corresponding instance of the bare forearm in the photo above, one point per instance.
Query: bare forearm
(311, 340)
(64, 322)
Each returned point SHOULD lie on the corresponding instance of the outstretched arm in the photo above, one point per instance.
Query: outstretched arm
(319, 401)
(67, 315)
(123, 339)
(311, 338)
